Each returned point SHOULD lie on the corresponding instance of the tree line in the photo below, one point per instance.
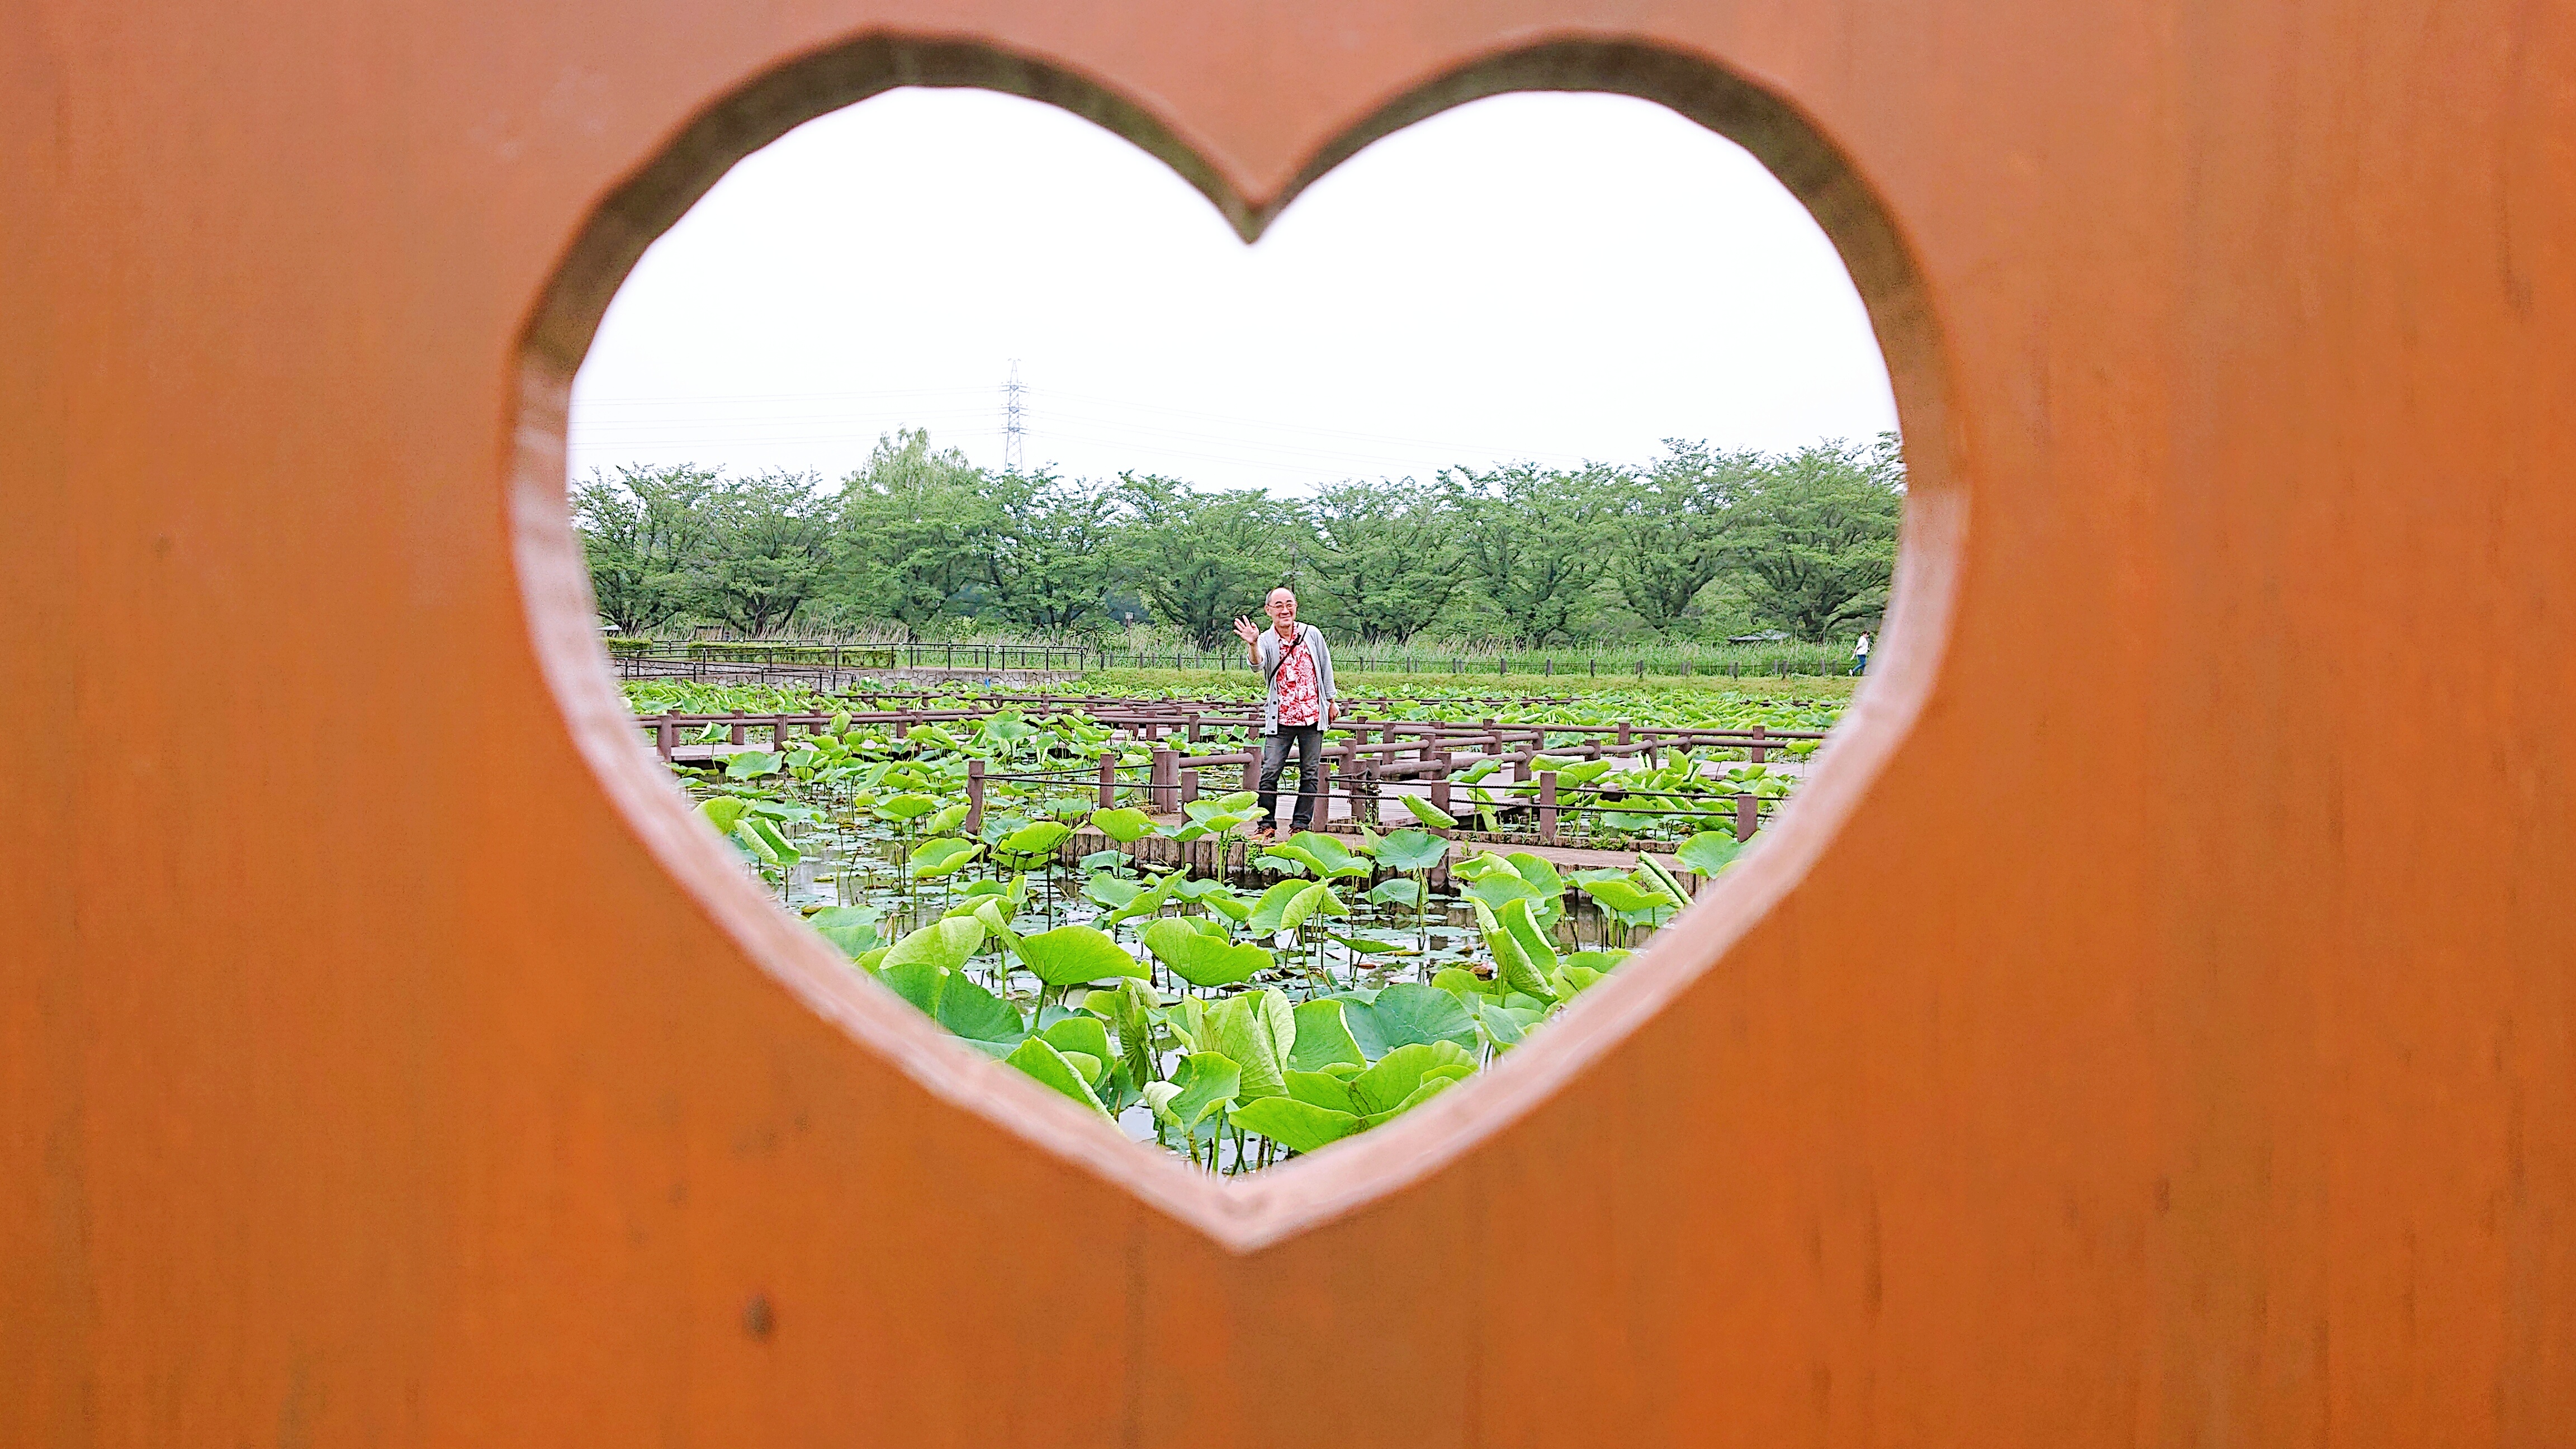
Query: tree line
(1698, 544)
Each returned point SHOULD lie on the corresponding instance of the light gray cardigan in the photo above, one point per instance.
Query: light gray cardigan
(1266, 652)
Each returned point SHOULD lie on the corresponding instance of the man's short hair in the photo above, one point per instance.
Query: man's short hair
(1275, 593)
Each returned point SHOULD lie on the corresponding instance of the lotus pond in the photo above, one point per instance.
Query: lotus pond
(1237, 1005)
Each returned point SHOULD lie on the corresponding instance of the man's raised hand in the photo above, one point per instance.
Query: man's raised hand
(1244, 631)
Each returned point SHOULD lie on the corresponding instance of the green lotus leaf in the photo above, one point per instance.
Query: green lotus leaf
(1111, 891)
(1072, 955)
(1584, 773)
(1431, 1087)
(1263, 922)
(1397, 890)
(1130, 1009)
(918, 982)
(1408, 1014)
(1373, 946)
(1085, 1034)
(946, 944)
(1428, 813)
(1323, 1037)
(852, 928)
(1035, 839)
(1381, 1089)
(1570, 981)
(1495, 890)
(1200, 959)
(1126, 825)
(1316, 899)
(1325, 855)
(1460, 982)
(1145, 902)
(1322, 1089)
(752, 764)
(1537, 873)
(1202, 1083)
(1512, 964)
(1042, 1061)
(1517, 918)
(722, 812)
(906, 807)
(935, 858)
(996, 919)
(1297, 1126)
(978, 1017)
(1258, 1031)
(1500, 1025)
(1627, 897)
(1412, 850)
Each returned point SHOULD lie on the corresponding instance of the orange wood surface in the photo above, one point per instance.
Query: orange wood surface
(386, 1059)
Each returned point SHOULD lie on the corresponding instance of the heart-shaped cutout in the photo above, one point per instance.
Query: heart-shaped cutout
(1241, 1215)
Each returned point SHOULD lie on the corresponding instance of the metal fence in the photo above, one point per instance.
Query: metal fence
(722, 659)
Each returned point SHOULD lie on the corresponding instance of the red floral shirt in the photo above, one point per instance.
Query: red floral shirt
(1295, 680)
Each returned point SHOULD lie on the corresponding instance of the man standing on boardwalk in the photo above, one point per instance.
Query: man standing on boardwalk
(1299, 669)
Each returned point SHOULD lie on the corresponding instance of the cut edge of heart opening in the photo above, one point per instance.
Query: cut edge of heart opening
(1243, 1215)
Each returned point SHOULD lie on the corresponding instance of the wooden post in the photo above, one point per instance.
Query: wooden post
(974, 797)
(663, 732)
(779, 729)
(1760, 751)
(1189, 786)
(1748, 816)
(1108, 781)
(1439, 791)
(736, 735)
(1163, 789)
(1547, 807)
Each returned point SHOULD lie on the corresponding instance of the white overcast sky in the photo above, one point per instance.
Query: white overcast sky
(1547, 277)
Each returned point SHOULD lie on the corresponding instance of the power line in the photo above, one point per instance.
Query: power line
(1014, 436)
(1315, 452)
(1054, 398)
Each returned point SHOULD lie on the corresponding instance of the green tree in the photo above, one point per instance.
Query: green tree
(768, 546)
(1670, 522)
(1201, 559)
(1816, 538)
(1046, 565)
(1385, 562)
(640, 531)
(914, 527)
(1533, 540)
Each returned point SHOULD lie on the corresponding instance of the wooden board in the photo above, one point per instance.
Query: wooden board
(2153, 1027)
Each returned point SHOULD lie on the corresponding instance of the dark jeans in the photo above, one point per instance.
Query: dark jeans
(1309, 741)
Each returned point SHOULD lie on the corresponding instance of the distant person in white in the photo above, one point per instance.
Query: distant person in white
(1298, 667)
(1860, 656)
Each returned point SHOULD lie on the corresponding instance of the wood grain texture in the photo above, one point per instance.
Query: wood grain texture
(363, 1081)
